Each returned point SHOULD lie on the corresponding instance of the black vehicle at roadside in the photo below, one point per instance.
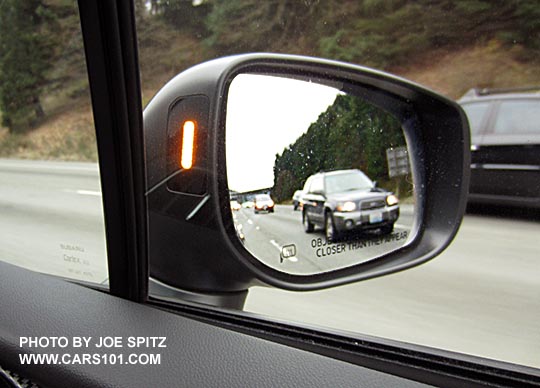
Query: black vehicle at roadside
(505, 138)
(346, 201)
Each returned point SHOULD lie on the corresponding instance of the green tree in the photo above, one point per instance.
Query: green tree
(25, 53)
(350, 134)
(272, 25)
(284, 186)
(385, 33)
(186, 14)
(527, 24)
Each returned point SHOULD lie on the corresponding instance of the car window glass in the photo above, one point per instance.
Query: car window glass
(51, 216)
(317, 186)
(347, 182)
(307, 185)
(478, 297)
(476, 114)
(518, 117)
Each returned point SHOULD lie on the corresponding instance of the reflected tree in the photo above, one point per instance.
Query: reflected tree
(350, 134)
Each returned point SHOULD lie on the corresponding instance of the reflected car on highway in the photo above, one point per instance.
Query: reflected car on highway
(297, 198)
(248, 204)
(505, 134)
(263, 202)
(347, 201)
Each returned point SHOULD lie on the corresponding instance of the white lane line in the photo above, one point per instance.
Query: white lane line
(40, 165)
(89, 192)
(257, 228)
(274, 243)
(84, 192)
(250, 222)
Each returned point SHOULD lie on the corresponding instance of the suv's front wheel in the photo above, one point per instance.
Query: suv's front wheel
(332, 235)
(387, 229)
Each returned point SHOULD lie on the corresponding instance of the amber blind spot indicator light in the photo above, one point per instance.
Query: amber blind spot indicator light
(188, 137)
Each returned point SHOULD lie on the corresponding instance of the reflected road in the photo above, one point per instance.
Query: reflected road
(267, 233)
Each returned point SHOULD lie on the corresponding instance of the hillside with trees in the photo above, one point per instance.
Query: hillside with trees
(450, 46)
(350, 134)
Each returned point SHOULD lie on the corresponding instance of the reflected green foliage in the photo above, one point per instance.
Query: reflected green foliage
(349, 134)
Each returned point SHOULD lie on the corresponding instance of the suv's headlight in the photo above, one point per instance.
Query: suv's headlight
(346, 206)
(392, 200)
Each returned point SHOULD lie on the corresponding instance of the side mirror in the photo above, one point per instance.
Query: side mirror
(260, 124)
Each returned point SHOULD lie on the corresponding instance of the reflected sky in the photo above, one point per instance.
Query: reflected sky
(265, 114)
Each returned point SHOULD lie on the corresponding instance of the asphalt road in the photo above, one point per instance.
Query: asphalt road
(266, 235)
(51, 218)
(481, 296)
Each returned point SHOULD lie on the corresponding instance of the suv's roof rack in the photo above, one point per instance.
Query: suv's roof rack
(478, 92)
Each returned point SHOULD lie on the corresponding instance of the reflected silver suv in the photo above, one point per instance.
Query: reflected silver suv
(347, 200)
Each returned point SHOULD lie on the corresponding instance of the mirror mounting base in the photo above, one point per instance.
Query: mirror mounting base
(232, 300)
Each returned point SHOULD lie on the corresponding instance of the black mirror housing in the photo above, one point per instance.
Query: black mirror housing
(193, 241)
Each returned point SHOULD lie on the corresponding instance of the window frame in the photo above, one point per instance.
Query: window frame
(317, 185)
(110, 45)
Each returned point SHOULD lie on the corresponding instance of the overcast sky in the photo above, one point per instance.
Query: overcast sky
(265, 114)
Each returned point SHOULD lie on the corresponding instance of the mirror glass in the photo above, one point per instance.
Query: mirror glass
(319, 179)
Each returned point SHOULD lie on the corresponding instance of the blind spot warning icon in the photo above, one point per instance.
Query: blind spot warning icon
(288, 252)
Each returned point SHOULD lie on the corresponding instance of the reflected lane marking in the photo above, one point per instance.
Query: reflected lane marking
(274, 243)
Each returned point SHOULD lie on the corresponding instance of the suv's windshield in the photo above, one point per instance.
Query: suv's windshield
(336, 183)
